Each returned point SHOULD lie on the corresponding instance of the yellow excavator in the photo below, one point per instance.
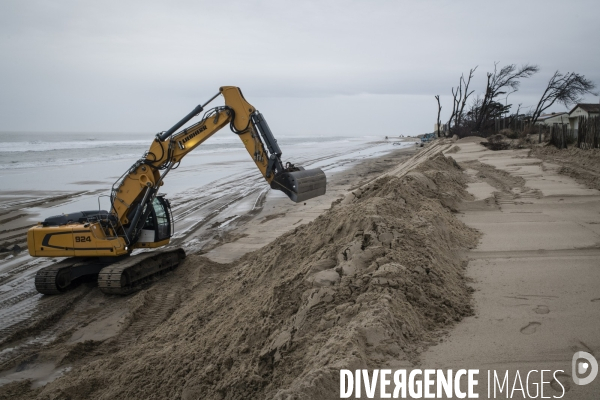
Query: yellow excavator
(99, 243)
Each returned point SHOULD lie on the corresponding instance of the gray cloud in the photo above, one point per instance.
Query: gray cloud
(139, 66)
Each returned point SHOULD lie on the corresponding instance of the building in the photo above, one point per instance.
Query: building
(553, 118)
(582, 110)
(443, 127)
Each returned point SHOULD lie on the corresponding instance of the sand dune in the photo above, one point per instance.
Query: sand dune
(476, 259)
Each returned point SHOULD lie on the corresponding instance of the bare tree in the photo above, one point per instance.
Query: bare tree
(474, 108)
(513, 117)
(437, 97)
(464, 98)
(459, 99)
(501, 82)
(454, 103)
(567, 89)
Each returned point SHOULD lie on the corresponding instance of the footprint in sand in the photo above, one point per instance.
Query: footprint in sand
(530, 328)
(541, 310)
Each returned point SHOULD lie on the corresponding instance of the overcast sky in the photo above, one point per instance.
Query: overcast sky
(311, 67)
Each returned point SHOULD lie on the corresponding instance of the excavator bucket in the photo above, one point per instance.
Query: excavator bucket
(301, 185)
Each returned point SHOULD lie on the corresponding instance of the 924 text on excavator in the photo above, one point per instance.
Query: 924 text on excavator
(99, 243)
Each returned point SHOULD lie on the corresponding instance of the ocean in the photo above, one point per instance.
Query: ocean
(40, 164)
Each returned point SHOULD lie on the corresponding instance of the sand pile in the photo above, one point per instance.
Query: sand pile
(582, 165)
(370, 281)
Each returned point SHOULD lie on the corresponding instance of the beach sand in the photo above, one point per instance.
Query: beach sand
(536, 271)
(213, 217)
(479, 259)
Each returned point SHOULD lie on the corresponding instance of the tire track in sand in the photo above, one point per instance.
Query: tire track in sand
(159, 302)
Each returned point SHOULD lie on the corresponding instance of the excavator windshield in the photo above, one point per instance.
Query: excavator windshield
(158, 223)
(163, 223)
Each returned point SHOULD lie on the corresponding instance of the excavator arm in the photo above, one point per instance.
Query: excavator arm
(132, 195)
(100, 243)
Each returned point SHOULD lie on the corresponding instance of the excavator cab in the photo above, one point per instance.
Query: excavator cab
(158, 226)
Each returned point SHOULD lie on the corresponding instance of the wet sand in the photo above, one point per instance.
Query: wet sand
(216, 216)
(362, 284)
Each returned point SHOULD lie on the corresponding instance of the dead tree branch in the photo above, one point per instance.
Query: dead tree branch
(501, 82)
(463, 100)
(565, 89)
(437, 97)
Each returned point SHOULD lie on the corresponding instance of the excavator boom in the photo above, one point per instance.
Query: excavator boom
(141, 184)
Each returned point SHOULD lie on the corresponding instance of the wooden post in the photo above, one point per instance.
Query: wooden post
(596, 131)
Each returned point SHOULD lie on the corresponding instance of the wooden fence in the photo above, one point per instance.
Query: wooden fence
(586, 136)
(517, 125)
(561, 135)
(588, 133)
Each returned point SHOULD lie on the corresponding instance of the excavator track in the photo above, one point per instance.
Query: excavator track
(126, 276)
(122, 275)
(62, 276)
(54, 279)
